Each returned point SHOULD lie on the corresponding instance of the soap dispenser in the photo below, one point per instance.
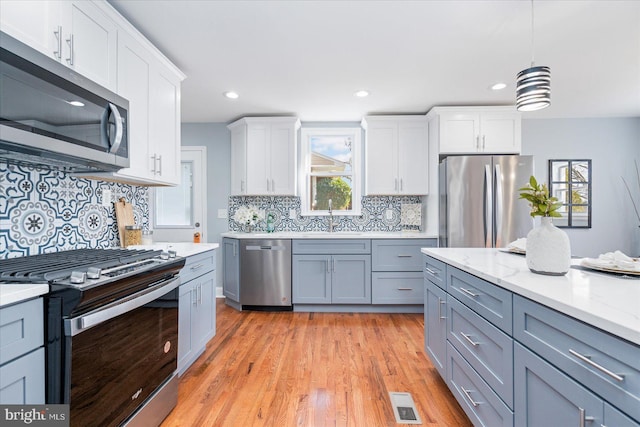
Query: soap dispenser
(270, 224)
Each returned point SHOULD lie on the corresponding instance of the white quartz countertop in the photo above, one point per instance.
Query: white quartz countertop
(327, 235)
(14, 292)
(608, 302)
(183, 249)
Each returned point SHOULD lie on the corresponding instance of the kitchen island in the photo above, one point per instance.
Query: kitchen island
(518, 348)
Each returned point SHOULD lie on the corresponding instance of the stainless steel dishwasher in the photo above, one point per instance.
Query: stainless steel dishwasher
(265, 274)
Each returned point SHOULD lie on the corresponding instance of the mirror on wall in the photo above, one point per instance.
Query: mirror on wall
(570, 182)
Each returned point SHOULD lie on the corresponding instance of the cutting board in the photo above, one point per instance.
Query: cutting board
(124, 217)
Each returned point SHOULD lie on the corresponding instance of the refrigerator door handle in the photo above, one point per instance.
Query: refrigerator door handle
(488, 205)
(497, 232)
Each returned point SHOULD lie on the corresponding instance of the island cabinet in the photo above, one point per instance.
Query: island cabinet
(510, 361)
(473, 130)
(396, 266)
(263, 156)
(197, 307)
(22, 379)
(327, 271)
(396, 155)
(577, 372)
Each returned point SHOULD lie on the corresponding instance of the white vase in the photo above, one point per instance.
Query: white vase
(548, 249)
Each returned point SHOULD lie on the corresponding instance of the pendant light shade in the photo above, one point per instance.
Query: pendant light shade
(533, 85)
(533, 88)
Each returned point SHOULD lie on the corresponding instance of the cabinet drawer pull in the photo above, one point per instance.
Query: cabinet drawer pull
(430, 271)
(468, 292)
(468, 338)
(404, 256)
(196, 267)
(405, 289)
(441, 302)
(588, 361)
(467, 393)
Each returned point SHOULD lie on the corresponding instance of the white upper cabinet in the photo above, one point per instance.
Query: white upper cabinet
(263, 156)
(397, 153)
(79, 34)
(472, 130)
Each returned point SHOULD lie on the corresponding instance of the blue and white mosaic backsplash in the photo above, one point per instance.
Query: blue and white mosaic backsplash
(46, 211)
(372, 218)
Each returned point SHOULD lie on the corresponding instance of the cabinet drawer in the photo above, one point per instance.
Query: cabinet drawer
(21, 329)
(22, 380)
(480, 403)
(397, 288)
(603, 363)
(613, 417)
(197, 265)
(331, 246)
(398, 254)
(488, 300)
(435, 271)
(487, 349)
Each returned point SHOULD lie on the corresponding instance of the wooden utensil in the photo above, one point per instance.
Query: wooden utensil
(124, 217)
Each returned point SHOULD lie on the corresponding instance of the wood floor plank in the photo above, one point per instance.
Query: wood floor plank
(312, 369)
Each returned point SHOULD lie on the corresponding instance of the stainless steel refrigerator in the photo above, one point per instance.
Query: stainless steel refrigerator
(479, 205)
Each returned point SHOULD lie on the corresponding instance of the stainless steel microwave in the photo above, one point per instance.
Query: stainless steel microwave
(52, 116)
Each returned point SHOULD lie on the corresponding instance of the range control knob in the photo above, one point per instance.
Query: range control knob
(172, 254)
(94, 273)
(78, 277)
(164, 255)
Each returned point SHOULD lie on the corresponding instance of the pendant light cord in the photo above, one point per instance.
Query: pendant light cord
(532, 43)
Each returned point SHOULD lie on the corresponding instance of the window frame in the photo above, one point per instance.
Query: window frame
(570, 183)
(305, 169)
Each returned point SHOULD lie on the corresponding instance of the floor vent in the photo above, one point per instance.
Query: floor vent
(403, 408)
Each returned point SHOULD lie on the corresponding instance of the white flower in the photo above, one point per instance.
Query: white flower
(249, 215)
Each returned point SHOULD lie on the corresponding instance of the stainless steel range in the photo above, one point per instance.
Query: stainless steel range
(112, 331)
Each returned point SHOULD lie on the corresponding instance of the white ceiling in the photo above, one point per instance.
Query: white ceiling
(307, 58)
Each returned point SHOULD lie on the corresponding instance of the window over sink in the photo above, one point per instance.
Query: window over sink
(330, 170)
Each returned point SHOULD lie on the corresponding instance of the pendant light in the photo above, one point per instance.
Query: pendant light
(533, 85)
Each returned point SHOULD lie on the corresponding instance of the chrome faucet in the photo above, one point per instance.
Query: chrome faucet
(331, 224)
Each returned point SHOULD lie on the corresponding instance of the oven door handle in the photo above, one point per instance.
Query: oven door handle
(117, 308)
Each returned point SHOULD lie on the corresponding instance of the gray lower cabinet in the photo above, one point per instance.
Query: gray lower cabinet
(331, 279)
(435, 325)
(231, 271)
(197, 308)
(512, 361)
(396, 266)
(325, 271)
(547, 397)
(22, 379)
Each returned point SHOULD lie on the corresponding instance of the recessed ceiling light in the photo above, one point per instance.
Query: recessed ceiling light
(231, 95)
(361, 93)
(498, 86)
(76, 103)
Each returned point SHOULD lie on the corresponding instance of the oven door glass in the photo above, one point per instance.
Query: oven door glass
(119, 363)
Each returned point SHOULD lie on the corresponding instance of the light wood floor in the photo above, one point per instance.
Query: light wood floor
(312, 369)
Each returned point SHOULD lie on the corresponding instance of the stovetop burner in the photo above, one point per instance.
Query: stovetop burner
(60, 265)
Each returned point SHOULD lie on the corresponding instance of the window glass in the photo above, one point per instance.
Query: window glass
(174, 204)
(570, 182)
(330, 164)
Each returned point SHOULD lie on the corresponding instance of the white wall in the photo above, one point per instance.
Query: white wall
(612, 145)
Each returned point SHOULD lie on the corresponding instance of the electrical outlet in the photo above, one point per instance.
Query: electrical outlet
(106, 198)
(292, 214)
(222, 213)
(389, 214)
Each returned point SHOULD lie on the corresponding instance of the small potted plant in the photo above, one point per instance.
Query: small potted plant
(548, 248)
(248, 217)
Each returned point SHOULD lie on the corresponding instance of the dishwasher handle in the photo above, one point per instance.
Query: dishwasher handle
(266, 248)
